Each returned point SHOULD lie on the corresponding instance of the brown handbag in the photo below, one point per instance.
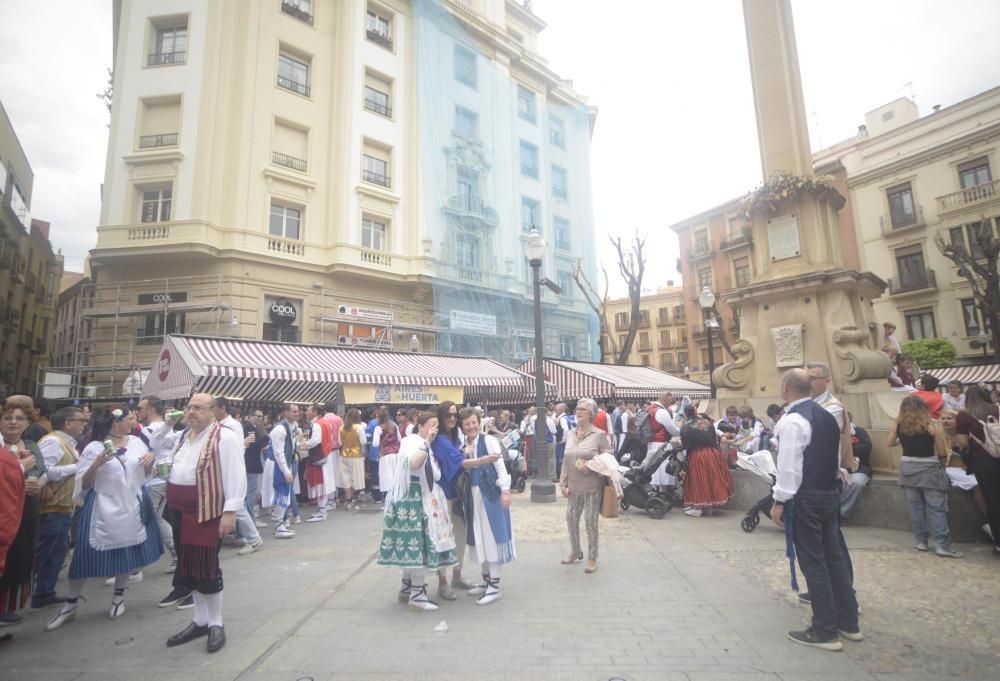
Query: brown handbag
(609, 502)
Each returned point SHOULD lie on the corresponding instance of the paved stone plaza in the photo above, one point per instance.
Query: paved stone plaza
(675, 599)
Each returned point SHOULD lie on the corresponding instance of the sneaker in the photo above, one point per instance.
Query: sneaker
(39, 603)
(175, 596)
(693, 512)
(172, 568)
(808, 638)
(920, 546)
(317, 517)
(296, 520)
(804, 597)
(261, 524)
(419, 601)
(66, 614)
(186, 603)
(851, 635)
(947, 552)
(282, 532)
(251, 548)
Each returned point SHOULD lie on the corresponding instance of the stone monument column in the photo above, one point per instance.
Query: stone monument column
(802, 303)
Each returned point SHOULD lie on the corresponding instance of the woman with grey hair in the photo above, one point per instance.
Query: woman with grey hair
(583, 486)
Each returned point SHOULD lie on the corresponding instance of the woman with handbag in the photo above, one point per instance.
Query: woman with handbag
(921, 473)
(584, 487)
(417, 534)
(709, 483)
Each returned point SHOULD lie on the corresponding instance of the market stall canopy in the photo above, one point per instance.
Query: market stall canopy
(606, 381)
(263, 371)
(968, 375)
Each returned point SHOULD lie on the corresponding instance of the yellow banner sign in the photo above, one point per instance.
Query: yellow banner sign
(402, 394)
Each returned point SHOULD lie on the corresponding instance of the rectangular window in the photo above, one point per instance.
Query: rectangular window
(621, 320)
(902, 211)
(561, 228)
(665, 338)
(293, 74)
(557, 132)
(663, 316)
(704, 278)
(682, 335)
(285, 221)
(468, 185)
(970, 315)
(281, 334)
(169, 45)
(300, 9)
(978, 233)
(560, 183)
(974, 173)
(378, 29)
(644, 360)
(682, 359)
(643, 340)
(156, 205)
(465, 67)
(155, 325)
(565, 281)
(525, 104)
(920, 324)
(466, 123)
(467, 251)
(377, 91)
(666, 361)
(566, 347)
(910, 265)
(644, 318)
(741, 270)
(375, 170)
(531, 218)
(621, 341)
(373, 234)
(529, 159)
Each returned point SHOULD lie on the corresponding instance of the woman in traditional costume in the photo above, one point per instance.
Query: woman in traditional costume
(116, 530)
(489, 535)
(417, 534)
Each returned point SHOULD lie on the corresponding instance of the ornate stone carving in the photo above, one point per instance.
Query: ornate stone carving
(857, 360)
(788, 350)
(734, 375)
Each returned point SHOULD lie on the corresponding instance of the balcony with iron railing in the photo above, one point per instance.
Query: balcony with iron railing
(168, 139)
(378, 107)
(164, 58)
(913, 283)
(969, 197)
(744, 238)
(743, 277)
(382, 39)
(375, 178)
(700, 249)
(470, 205)
(18, 270)
(894, 223)
(293, 86)
(292, 9)
(280, 159)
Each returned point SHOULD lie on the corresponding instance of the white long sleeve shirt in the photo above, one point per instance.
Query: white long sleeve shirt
(162, 441)
(52, 451)
(832, 405)
(794, 434)
(234, 472)
(278, 434)
(315, 437)
(663, 417)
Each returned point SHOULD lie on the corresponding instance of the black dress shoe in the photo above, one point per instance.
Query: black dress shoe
(191, 632)
(216, 638)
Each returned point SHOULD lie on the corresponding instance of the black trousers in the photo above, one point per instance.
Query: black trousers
(987, 470)
(824, 562)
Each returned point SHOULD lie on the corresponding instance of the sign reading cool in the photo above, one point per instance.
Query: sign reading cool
(283, 312)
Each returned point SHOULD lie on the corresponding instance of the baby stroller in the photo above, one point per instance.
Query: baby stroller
(513, 458)
(637, 489)
(762, 465)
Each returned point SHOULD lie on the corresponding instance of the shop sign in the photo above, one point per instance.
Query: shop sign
(393, 393)
(373, 314)
(163, 365)
(522, 333)
(282, 312)
(163, 298)
(485, 324)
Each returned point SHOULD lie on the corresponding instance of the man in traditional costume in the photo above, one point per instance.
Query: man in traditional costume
(331, 468)
(206, 488)
(284, 435)
(317, 448)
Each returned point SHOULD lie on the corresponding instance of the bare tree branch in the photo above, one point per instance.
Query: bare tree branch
(981, 273)
(632, 268)
(599, 304)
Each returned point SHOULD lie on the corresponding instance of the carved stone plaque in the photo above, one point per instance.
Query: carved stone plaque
(788, 346)
(783, 237)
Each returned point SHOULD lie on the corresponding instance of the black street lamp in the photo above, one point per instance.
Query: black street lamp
(542, 488)
(707, 301)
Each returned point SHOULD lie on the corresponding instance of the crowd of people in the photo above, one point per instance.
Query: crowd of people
(125, 485)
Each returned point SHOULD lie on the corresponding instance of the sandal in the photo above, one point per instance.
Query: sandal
(568, 560)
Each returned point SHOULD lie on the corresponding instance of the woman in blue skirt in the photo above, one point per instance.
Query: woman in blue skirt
(116, 530)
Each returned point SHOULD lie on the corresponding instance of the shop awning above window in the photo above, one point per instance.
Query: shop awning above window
(606, 381)
(265, 371)
(968, 375)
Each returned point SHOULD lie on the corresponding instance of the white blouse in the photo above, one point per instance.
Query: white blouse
(117, 519)
(234, 472)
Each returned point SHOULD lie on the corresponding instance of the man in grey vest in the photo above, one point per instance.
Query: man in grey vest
(807, 494)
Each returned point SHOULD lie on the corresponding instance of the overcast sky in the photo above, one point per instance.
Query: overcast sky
(675, 134)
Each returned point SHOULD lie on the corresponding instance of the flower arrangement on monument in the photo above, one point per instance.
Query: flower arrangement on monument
(783, 186)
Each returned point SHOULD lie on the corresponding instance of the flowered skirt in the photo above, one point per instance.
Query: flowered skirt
(90, 562)
(709, 482)
(406, 537)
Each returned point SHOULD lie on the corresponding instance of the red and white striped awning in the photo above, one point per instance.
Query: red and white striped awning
(264, 371)
(968, 375)
(605, 381)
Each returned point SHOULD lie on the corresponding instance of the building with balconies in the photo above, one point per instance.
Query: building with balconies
(29, 272)
(354, 172)
(661, 340)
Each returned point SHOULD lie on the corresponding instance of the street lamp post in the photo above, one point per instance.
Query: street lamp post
(707, 301)
(542, 489)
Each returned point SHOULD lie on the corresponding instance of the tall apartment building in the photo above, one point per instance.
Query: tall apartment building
(344, 172)
(29, 272)
(662, 339)
(907, 180)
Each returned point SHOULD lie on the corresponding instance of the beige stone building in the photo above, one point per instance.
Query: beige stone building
(29, 272)
(662, 338)
(352, 172)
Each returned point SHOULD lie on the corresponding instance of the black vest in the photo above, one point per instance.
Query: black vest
(821, 459)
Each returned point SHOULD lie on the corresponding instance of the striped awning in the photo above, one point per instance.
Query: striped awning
(264, 371)
(968, 375)
(606, 381)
